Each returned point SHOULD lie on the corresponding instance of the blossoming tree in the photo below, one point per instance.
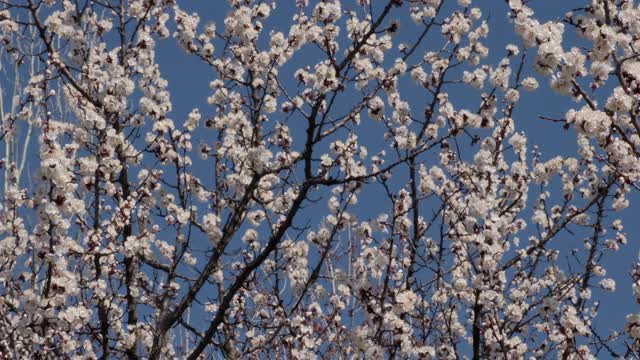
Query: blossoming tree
(355, 184)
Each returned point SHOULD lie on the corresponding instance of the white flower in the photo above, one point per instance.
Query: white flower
(499, 76)
(619, 101)
(529, 83)
(512, 50)
(632, 326)
(210, 223)
(589, 122)
(406, 300)
(475, 78)
(376, 108)
(608, 285)
(250, 236)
